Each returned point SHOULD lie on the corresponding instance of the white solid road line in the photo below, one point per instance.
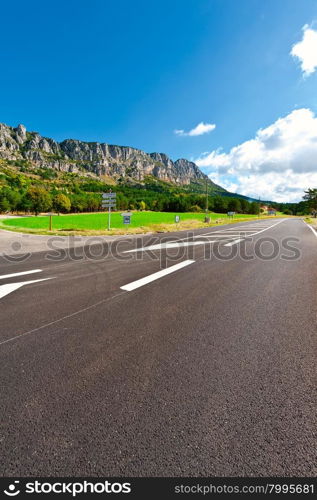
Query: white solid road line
(238, 229)
(227, 235)
(155, 276)
(23, 273)
(310, 227)
(233, 242)
(11, 287)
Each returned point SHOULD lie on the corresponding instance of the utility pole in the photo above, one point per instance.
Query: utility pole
(206, 194)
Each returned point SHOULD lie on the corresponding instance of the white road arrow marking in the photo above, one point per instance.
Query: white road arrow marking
(11, 287)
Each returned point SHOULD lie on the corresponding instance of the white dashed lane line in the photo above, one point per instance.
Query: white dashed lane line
(155, 276)
(23, 273)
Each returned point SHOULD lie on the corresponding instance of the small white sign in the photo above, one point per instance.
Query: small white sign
(109, 195)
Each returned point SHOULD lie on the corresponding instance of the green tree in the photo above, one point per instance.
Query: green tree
(131, 205)
(93, 202)
(41, 200)
(61, 203)
(220, 204)
(4, 205)
(311, 198)
(14, 198)
(234, 205)
(122, 202)
(142, 205)
(254, 208)
(244, 206)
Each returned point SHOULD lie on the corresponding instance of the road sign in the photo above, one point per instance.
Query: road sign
(177, 218)
(107, 196)
(108, 203)
(126, 217)
(231, 214)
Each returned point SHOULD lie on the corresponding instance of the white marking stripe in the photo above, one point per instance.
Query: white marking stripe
(152, 277)
(11, 287)
(233, 242)
(223, 235)
(270, 227)
(23, 273)
(310, 227)
(162, 246)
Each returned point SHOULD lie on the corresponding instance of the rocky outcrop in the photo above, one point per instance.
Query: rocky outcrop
(118, 162)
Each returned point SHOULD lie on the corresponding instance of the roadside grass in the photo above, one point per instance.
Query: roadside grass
(312, 221)
(96, 223)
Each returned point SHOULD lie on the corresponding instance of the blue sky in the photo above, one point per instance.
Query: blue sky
(132, 72)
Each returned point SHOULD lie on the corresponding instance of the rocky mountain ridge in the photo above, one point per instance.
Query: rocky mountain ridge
(117, 162)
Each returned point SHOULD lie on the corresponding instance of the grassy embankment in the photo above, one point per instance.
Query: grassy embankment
(96, 223)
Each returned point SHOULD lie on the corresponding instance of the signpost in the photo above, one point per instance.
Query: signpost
(109, 201)
(177, 219)
(231, 214)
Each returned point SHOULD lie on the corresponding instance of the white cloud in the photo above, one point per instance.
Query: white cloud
(200, 129)
(278, 164)
(306, 51)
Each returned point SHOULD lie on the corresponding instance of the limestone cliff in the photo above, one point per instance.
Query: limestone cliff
(118, 162)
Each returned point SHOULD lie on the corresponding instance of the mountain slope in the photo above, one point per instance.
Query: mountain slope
(121, 163)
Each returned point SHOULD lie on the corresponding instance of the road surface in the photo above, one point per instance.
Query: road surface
(192, 357)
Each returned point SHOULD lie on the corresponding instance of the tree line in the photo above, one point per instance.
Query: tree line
(68, 192)
(37, 199)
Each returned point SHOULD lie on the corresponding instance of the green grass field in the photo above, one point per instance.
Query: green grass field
(99, 221)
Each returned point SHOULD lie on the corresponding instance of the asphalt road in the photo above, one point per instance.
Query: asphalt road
(209, 370)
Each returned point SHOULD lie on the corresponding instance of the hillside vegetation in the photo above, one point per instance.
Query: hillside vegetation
(24, 188)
